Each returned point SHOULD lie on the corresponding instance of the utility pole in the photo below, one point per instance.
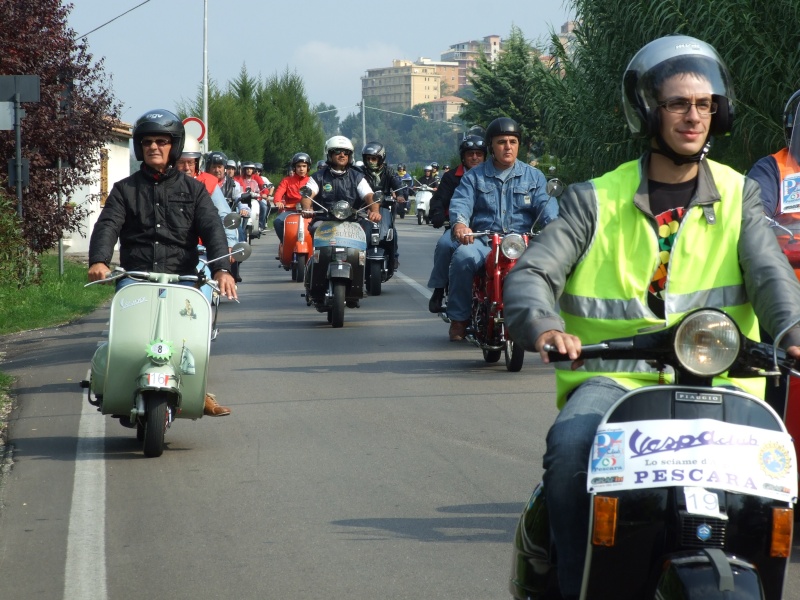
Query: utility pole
(363, 122)
(205, 75)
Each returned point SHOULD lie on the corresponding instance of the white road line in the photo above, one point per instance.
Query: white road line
(420, 288)
(85, 570)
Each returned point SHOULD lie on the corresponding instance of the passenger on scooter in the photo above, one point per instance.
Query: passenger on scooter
(156, 232)
(504, 195)
(338, 180)
(597, 260)
(287, 195)
(472, 150)
(381, 177)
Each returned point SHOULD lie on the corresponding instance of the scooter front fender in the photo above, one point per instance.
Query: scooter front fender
(533, 574)
(340, 270)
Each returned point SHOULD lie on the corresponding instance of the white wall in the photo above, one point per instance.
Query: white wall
(118, 168)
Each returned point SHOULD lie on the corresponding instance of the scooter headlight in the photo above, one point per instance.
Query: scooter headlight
(707, 342)
(512, 246)
(341, 210)
(375, 239)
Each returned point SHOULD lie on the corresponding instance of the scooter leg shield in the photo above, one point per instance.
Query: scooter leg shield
(708, 574)
(533, 573)
(99, 365)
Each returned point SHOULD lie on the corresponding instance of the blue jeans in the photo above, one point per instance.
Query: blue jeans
(442, 256)
(278, 224)
(262, 215)
(467, 259)
(566, 460)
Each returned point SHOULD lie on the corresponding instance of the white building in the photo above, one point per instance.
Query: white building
(114, 164)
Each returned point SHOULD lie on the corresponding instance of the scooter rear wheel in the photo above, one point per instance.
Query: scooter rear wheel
(156, 425)
(515, 355)
(374, 278)
(337, 312)
(491, 356)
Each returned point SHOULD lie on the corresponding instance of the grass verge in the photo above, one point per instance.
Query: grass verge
(57, 300)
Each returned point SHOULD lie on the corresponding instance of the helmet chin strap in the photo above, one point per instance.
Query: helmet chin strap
(680, 159)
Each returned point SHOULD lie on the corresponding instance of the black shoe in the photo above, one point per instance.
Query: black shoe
(237, 279)
(435, 303)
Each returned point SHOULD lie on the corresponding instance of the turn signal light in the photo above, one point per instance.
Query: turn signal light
(782, 525)
(604, 531)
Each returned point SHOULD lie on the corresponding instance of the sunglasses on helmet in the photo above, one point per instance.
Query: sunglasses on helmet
(474, 144)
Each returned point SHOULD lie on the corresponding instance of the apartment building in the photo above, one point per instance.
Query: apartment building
(466, 54)
(403, 85)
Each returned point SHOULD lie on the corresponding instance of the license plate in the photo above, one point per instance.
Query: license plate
(700, 501)
(157, 379)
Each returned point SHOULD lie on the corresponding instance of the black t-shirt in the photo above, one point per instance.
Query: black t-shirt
(668, 202)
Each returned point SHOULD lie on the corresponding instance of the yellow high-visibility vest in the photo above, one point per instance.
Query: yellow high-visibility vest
(606, 296)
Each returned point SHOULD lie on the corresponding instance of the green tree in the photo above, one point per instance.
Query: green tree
(263, 120)
(579, 95)
(506, 86)
(329, 116)
(36, 40)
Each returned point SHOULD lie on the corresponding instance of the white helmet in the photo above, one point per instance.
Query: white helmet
(339, 142)
(191, 148)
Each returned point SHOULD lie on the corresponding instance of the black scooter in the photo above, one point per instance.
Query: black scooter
(692, 486)
(381, 246)
(334, 276)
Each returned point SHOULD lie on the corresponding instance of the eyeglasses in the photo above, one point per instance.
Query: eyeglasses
(473, 144)
(160, 142)
(682, 106)
(341, 151)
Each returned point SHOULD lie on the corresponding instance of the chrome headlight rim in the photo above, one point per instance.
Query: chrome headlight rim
(342, 210)
(707, 342)
(512, 246)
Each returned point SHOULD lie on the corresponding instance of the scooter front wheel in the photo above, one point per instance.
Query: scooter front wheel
(299, 268)
(337, 312)
(515, 355)
(374, 278)
(156, 425)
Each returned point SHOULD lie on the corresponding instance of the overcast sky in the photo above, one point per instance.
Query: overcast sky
(155, 52)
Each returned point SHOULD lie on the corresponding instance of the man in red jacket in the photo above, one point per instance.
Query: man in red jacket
(287, 195)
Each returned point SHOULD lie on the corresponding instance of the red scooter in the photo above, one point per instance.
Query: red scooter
(296, 248)
(486, 328)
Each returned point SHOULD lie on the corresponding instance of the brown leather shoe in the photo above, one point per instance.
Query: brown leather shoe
(213, 409)
(458, 330)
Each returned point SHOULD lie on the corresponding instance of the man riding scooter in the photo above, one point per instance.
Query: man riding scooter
(599, 261)
(157, 214)
(382, 177)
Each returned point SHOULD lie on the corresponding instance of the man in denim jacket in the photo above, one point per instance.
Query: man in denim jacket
(499, 195)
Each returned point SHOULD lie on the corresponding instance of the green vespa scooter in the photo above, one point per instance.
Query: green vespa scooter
(154, 367)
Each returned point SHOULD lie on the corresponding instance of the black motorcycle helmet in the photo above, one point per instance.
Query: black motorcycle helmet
(789, 113)
(320, 164)
(373, 149)
(471, 142)
(664, 58)
(159, 121)
(216, 158)
(259, 168)
(502, 126)
(301, 157)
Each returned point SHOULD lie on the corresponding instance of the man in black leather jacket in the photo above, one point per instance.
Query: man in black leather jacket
(158, 214)
(473, 152)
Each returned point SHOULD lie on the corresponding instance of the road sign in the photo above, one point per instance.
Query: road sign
(195, 128)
